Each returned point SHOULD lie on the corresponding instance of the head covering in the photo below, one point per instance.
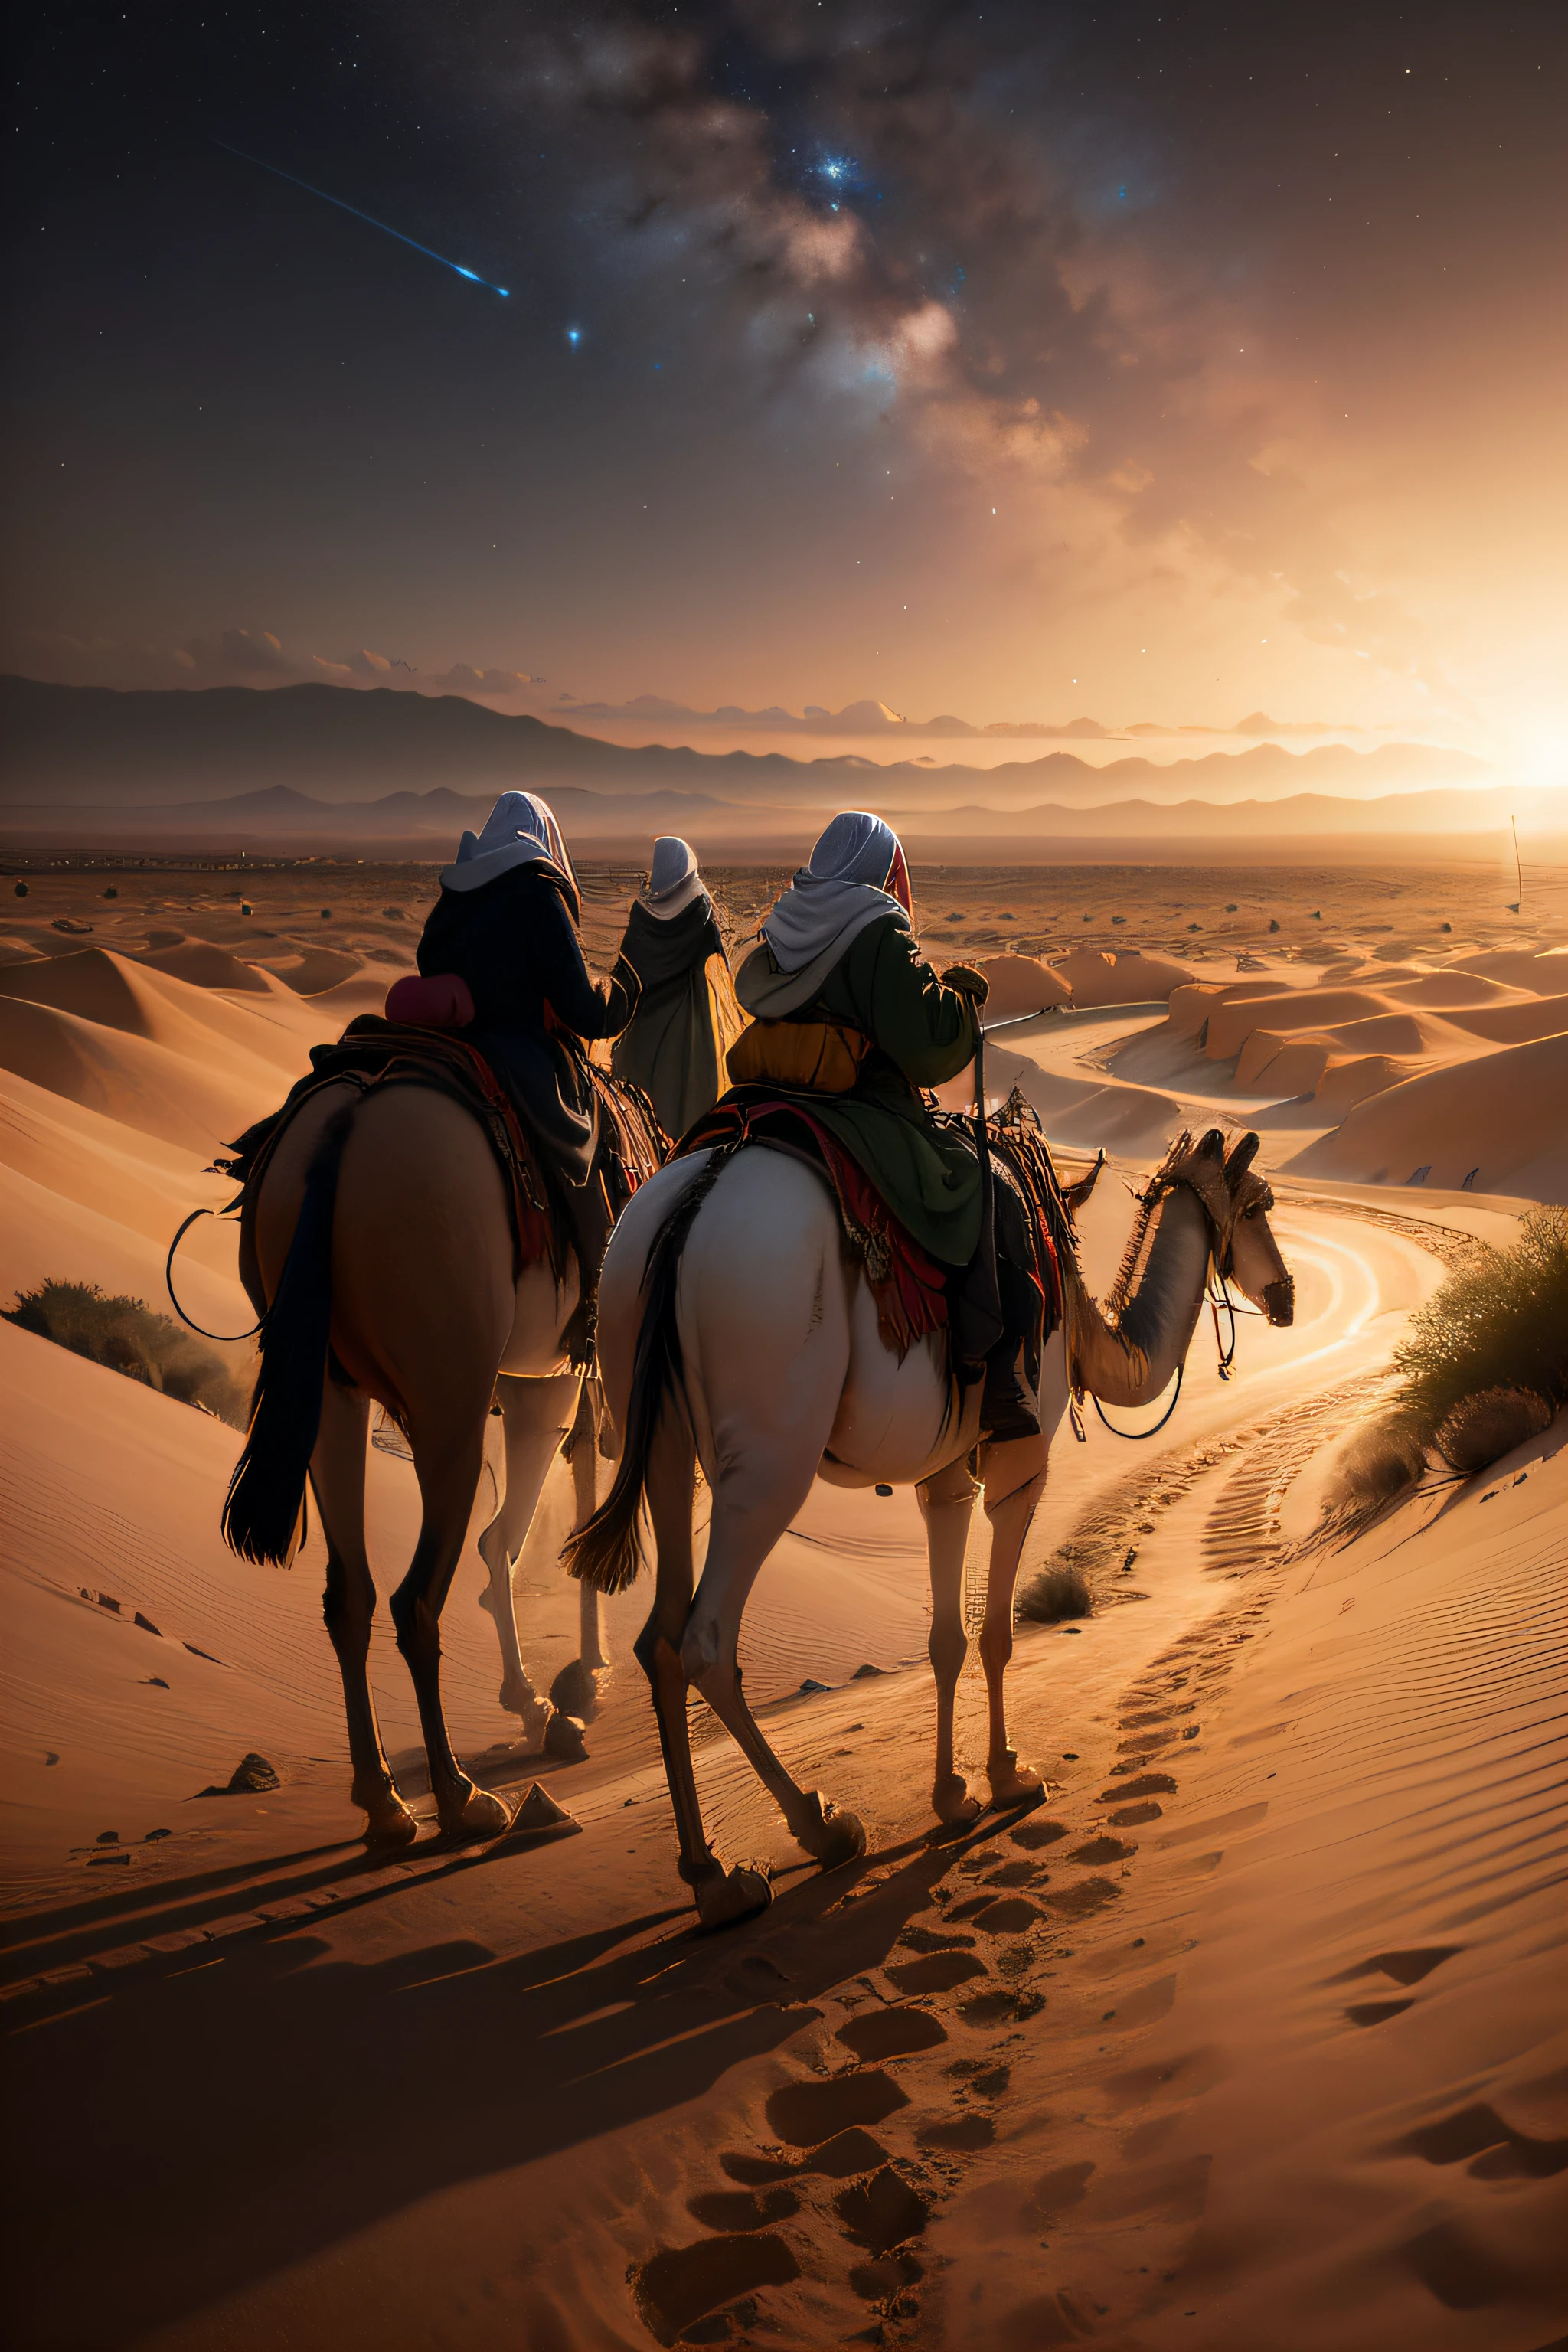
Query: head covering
(673, 880)
(521, 830)
(854, 876)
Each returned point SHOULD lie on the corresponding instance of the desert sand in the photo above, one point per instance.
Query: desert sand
(1249, 2036)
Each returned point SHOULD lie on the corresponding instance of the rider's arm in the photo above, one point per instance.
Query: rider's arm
(928, 1029)
(593, 1008)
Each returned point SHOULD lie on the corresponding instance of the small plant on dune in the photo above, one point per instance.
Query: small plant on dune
(1060, 1591)
(127, 1336)
(1501, 1323)
(1483, 1368)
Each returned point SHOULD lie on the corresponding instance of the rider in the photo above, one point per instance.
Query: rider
(506, 924)
(673, 1046)
(837, 949)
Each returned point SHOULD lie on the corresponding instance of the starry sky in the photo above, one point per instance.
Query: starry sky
(1018, 361)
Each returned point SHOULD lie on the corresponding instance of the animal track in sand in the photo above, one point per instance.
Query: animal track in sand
(735, 2210)
(891, 2032)
(882, 2212)
(838, 2158)
(1404, 1968)
(803, 2114)
(1033, 1835)
(1103, 1849)
(936, 1973)
(1496, 2150)
(679, 2286)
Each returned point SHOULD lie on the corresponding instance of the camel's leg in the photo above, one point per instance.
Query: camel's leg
(1014, 1475)
(947, 1505)
(749, 1518)
(448, 1453)
(535, 1416)
(337, 1476)
(584, 1455)
(721, 1896)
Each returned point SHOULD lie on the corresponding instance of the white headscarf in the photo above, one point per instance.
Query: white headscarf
(673, 880)
(520, 829)
(831, 900)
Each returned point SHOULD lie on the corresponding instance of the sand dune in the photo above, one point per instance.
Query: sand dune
(1120, 976)
(203, 966)
(1494, 1124)
(114, 992)
(1021, 985)
(1514, 1024)
(1543, 971)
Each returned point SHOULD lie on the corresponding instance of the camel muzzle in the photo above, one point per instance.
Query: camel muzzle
(1279, 1302)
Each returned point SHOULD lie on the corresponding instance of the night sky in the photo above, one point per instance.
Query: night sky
(1016, 360)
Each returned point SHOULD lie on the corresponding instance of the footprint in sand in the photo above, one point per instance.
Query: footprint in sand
(891, 2034)
(1495, 2149)
(936, 1973)
(803, 2114)
(1033, 1835)
(678, 2287)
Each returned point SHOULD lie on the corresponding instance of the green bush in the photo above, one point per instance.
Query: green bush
(127, 1336)
(1481, 1366)
(1502, 1323)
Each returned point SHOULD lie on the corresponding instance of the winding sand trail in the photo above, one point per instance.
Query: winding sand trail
(999, 2091)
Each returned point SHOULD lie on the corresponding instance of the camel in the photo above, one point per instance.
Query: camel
(380, 1249)
(765, 1366)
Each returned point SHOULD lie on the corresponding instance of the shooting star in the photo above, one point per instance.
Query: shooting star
(471, 275)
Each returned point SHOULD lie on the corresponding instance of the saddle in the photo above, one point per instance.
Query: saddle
(913, 1293)
(549, 1219)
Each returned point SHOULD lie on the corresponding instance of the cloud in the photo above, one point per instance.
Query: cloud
(464, 679)
(871, 214)
(252, 656)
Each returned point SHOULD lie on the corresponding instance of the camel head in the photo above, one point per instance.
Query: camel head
(1251, 1259)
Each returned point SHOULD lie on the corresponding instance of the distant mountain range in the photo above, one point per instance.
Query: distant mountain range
(156, 753)
(427, 825)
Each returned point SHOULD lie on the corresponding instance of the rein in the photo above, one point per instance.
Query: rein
(223, 1338)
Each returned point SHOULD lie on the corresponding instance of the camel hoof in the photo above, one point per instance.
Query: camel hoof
(731, 1895)
(564, 1738)
(1012, 1783)
(479, 1815)
(951, 1803)
(392, 1826)
(839, 1839)
(531, 1711)
(574, 1690)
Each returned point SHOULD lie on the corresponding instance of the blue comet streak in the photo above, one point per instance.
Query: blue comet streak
(473, 275)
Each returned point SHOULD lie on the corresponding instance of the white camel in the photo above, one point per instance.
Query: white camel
(737, 1330)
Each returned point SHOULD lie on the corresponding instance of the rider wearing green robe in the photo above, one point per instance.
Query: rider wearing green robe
(924, 1032)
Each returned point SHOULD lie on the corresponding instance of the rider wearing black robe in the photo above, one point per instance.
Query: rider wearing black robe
(514, 941)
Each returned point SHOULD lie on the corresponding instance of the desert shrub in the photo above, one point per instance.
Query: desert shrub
(1060, 1591)
(1483, 1428)
(1380, 1460)
(128, 1337)
(1498, 1323)
(1483, 1367)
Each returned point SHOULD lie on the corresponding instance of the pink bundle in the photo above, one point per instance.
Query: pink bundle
(442, 1002)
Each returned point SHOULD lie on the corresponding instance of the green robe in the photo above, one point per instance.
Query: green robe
(923, 1033)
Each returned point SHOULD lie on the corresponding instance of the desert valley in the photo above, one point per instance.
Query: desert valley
(1014, 2086)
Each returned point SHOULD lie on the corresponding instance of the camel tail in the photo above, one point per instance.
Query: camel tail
(263, 1518)
(607, 1551)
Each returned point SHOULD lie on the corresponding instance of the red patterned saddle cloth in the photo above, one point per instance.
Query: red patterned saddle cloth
(910, 1288)
(374, 1053)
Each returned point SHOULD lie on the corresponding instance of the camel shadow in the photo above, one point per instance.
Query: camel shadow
(284, 2101)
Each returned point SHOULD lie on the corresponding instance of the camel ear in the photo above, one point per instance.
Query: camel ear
(1212, 1145)
(1241, 1159)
